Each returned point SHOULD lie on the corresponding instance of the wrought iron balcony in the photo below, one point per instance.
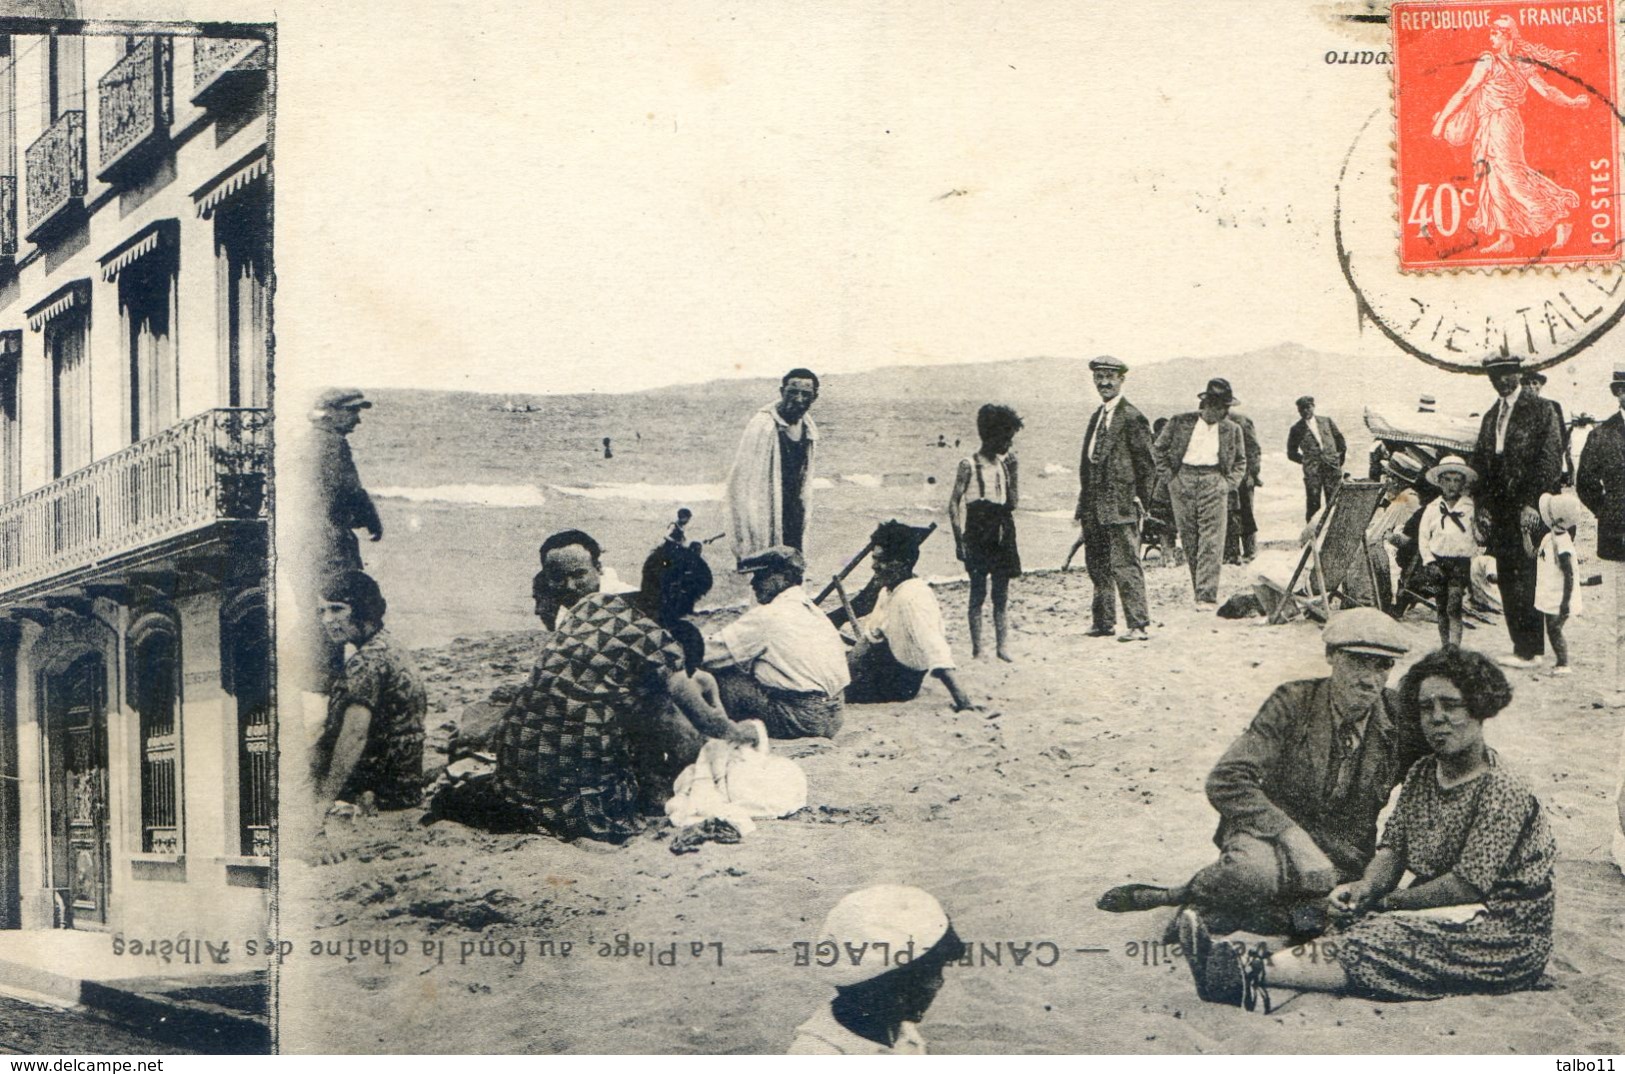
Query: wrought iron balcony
(8, 216)
(219, 63)
(136, 106)
(207, 469)
(56, 171)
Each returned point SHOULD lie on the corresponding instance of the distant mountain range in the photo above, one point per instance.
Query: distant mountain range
(890, 418)
(1267, 381)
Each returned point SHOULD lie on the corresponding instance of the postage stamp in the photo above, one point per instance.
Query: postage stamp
(1506, 147)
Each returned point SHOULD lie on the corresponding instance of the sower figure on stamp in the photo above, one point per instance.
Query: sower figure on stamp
(1519, 455)
(1202, 456)
(1316, 444)
(1513, 198)
(770, 485)
(1116, 477)
(1299, 792)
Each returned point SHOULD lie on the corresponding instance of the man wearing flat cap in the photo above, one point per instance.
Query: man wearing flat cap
(782, 662)
(1116, 474)
(1299, 792)
(1316, 444)
(348, 507)
(1202, 456)
(327, 504)
(1519, 455)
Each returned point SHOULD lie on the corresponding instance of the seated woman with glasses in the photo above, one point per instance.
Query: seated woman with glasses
(1477, 918)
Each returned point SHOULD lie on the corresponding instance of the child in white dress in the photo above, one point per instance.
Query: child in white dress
(1556, 595)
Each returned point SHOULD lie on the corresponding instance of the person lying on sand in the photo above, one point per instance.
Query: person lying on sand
(902, 639)
(879, 1002)
(1477, 917)
(1299, 792)
(781, 662)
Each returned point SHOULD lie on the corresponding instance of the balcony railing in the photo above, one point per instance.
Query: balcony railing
(56, 170)
(8, 216)
(204, 470)
(135, 104)
(219, 61)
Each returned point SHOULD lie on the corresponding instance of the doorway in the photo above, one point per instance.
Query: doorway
(77, 713)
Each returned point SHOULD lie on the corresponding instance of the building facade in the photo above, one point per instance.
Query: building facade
(136, 747)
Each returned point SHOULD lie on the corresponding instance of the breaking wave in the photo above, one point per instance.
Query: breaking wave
(484, 495)
(644, 492)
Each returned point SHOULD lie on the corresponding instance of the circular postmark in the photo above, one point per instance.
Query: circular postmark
(1454, 320)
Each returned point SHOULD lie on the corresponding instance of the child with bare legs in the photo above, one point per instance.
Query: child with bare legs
(1448, 538)
(983, 512)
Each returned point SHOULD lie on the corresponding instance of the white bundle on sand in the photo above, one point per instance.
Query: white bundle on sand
(736, 783)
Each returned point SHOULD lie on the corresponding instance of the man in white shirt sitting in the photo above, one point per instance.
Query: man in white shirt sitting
(781, 662)
(902, 639)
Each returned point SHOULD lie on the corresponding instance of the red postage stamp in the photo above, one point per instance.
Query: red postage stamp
(1506, 133)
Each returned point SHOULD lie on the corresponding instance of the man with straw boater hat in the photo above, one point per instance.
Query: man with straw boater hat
(1600, 482)
(1202, 456)
(1518, 456)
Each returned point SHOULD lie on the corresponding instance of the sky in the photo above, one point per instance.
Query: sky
(577, 196)
(607, 197)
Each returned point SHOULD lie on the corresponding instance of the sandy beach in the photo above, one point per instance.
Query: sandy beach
(1091, 775)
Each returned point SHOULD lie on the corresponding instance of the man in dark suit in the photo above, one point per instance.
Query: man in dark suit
(1203, 459)
(1317, 445)
(1115, 478)
(1600, 483)
(1241, 530)
(1520, 455)
(1299, 792)
(1534, 383)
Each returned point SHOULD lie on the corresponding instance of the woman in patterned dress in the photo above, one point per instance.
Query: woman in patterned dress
(1477, 918)
(372, 742)
(570, 747)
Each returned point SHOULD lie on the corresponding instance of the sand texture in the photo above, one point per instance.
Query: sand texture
(1091, 775)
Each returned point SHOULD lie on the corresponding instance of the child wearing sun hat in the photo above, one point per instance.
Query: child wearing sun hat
(1448, 538)
(1556, 595)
